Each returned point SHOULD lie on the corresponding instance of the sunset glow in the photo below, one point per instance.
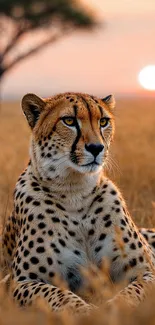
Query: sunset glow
(108, 59)
(147, 77)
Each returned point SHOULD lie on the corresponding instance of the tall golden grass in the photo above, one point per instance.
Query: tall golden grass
(131, 166)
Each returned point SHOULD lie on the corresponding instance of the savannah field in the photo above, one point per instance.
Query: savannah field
(131, 166)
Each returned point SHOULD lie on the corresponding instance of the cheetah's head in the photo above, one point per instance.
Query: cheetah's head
(70, 131)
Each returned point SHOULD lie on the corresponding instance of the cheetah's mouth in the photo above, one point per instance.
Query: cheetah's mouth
(75, 160)
(89, 167)
(94, 162)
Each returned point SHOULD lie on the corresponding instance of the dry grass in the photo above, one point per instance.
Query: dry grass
(132, 168)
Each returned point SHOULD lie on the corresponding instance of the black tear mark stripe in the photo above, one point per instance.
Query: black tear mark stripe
(98, 105)
(101, 112)
(75, 107)
(55, 124)
(94, 99)
(88, 109)
(90, 115)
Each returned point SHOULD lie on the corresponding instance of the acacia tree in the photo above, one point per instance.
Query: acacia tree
(27, 26)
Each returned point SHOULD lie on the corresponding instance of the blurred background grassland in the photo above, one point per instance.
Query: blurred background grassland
(99, 47)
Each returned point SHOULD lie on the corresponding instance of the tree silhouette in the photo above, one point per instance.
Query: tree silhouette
(27, 26)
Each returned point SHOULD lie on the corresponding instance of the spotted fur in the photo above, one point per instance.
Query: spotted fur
(67, 213)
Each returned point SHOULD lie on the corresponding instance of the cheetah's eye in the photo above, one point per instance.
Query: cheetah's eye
(70, 121)
(104, 122)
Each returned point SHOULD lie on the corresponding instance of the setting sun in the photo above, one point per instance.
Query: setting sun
(146, 77)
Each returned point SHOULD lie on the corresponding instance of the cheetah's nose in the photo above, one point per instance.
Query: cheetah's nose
(94, 148)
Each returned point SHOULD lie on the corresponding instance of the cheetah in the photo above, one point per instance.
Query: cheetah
(66, 210)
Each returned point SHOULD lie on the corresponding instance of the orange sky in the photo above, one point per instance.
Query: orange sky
(105, 61)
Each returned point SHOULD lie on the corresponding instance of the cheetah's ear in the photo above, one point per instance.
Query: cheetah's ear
(109, 101)
(32, 106)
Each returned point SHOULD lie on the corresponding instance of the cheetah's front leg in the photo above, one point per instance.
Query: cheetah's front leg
(134, 293)
(117, 239)
(149, 235)
(57, 299)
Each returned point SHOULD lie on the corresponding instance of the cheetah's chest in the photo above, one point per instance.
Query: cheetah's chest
(58, 249)
(56, 241)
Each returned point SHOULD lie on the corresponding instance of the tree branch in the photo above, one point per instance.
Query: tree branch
(20, 32)
(12, 43)
(32, 51)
